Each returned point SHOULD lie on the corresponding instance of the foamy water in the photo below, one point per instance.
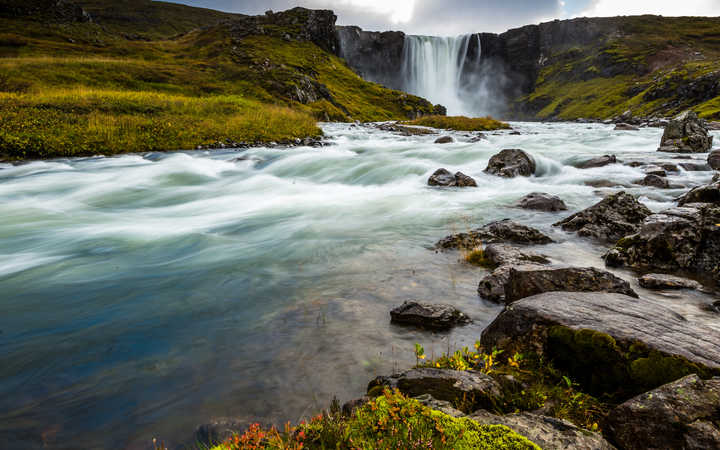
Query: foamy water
(145, 294)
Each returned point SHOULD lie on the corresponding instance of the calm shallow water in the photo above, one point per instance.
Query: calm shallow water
(143, 295)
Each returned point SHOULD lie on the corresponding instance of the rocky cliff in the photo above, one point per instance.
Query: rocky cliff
(585, 67)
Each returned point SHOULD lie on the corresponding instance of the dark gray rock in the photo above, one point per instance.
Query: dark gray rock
(444, 178)
(625, 127)
(695, 167)
(664, 282)
(709, 193)
(669, 167)
(501, 231)
(684, 238)
(492, 286)
(547, 432)
(448, 385)
(655, 170)
(511, 163)
(597, 162)
(604, 184)
(580, 332)
(714, 159)
(542, 202)
(654, 181)
(716, 177)
(686, 134)
(612, 218)
(679, 415)
(437, 317)
(501, 254)
(528, 281)
(444, 140)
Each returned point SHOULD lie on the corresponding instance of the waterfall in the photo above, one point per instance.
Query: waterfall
(439, 69)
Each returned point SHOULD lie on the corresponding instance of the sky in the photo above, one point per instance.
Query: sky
(453, 17)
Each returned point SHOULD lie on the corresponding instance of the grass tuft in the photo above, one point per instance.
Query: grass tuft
(460, 123)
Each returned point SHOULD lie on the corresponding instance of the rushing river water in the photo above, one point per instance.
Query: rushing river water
(142, 295)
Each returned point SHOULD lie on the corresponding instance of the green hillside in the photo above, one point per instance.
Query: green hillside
(648, 65)
(126, 81)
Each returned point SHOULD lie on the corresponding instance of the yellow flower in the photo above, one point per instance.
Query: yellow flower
(437, 364)
(421, 356)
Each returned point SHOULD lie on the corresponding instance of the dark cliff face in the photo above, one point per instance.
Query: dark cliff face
(375, 56)
(299, 24)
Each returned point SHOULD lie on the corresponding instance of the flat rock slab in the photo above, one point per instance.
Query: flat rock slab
(442, 384)
(501, 254)
(665, 282)
(612, 218)
(437, 317)
(600, 161)
(682, 415)
(638, 344)
(547, 432)
(494, 232)
(528, 281)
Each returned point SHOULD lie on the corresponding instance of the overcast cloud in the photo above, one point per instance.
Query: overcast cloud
(452, 17)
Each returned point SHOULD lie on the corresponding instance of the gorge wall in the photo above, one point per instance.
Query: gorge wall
(584, 67)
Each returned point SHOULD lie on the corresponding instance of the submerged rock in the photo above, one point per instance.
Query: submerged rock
(447, 385)
(542, 202)
(655, 170)
(597, 162)
(686, 134)
(511, 163)
(662, 281)
(682, 414)
(501, 231)
(655, 181)
(438, 317)
(612, 218)
(528, 281)
(625, 127)
(443, 178)
(547, 432)
(444, 140)
(609, 343)
(695, 167)
(686, 238)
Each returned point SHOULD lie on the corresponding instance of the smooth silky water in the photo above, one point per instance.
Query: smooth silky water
(142, 295)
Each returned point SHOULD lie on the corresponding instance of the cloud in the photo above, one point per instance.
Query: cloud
(661, 7)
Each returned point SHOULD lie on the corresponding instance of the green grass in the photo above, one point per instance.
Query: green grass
(460, 123)
(391, 421)
(83, 122)
(71, 89)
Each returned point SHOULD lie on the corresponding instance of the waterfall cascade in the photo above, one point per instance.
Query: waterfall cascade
(442, 70)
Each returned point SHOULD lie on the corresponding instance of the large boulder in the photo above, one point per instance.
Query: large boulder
(683, 414)
(501, 231)
(443, 178)
(612, 218)
(714, 160)
(609, 343)
(449, 385)
(684, 238)
(437, 317)
(528, 281)
(540, 201)
(657, 281)
(686, 134)
(511, 163)
(702, 194)
(600, 161)
(547, 432)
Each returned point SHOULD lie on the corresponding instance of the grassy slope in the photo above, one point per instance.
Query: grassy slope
(651, 58)
(70, 89)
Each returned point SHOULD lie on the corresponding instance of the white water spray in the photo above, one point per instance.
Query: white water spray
(433, 68)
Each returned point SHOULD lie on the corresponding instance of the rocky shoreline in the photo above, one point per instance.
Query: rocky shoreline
(653, 373)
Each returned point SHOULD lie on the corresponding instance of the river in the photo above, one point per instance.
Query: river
(142, 295)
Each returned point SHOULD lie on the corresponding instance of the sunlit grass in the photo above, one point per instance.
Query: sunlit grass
(460, 123)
